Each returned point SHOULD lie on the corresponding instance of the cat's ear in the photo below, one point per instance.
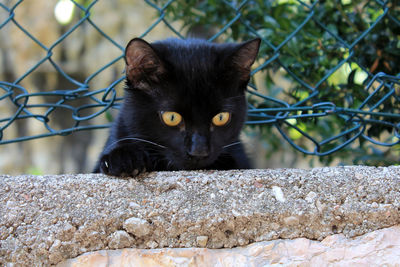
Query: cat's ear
(244, 56)
(143, 66)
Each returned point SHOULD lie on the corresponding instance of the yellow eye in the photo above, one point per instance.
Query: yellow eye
(171, 118)
(221, 118)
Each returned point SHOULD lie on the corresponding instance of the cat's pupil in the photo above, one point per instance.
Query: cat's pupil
(220, 117)
(172, 117)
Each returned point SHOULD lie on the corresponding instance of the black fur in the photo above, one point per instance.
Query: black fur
(198, 80)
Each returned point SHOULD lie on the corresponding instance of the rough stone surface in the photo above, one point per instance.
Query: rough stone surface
(202, 241)
(48, 219)
(378, 248)
(120, 239)
(138, 227)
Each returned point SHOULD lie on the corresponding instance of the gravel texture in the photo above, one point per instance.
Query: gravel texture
(47, 219)
(377, 248)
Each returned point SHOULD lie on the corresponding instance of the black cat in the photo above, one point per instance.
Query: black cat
(184, 107)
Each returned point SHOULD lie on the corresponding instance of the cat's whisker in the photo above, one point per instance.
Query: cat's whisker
(136, 139)
(233, 144)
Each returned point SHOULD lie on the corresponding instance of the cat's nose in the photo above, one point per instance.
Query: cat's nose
(199, 147)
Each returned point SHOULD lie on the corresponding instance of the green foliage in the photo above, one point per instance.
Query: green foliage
(328, 51)
(34, 171)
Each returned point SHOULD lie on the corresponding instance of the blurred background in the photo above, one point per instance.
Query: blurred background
(324, 91)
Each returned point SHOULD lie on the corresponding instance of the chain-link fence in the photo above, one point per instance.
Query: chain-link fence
(319, 109)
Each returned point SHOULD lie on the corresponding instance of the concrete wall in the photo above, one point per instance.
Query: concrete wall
(340, 216)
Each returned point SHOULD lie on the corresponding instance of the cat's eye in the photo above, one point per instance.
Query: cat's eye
(221, 118)
(171, 118)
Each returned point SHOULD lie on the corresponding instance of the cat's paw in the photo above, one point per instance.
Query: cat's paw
(123, 162)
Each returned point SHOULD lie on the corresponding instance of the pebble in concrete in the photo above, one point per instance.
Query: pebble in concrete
(136, 226)
(202, 241)
(120, 239)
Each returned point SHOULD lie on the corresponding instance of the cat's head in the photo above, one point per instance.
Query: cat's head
(188, 96)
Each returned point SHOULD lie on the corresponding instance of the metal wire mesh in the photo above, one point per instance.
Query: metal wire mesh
(263, 108)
